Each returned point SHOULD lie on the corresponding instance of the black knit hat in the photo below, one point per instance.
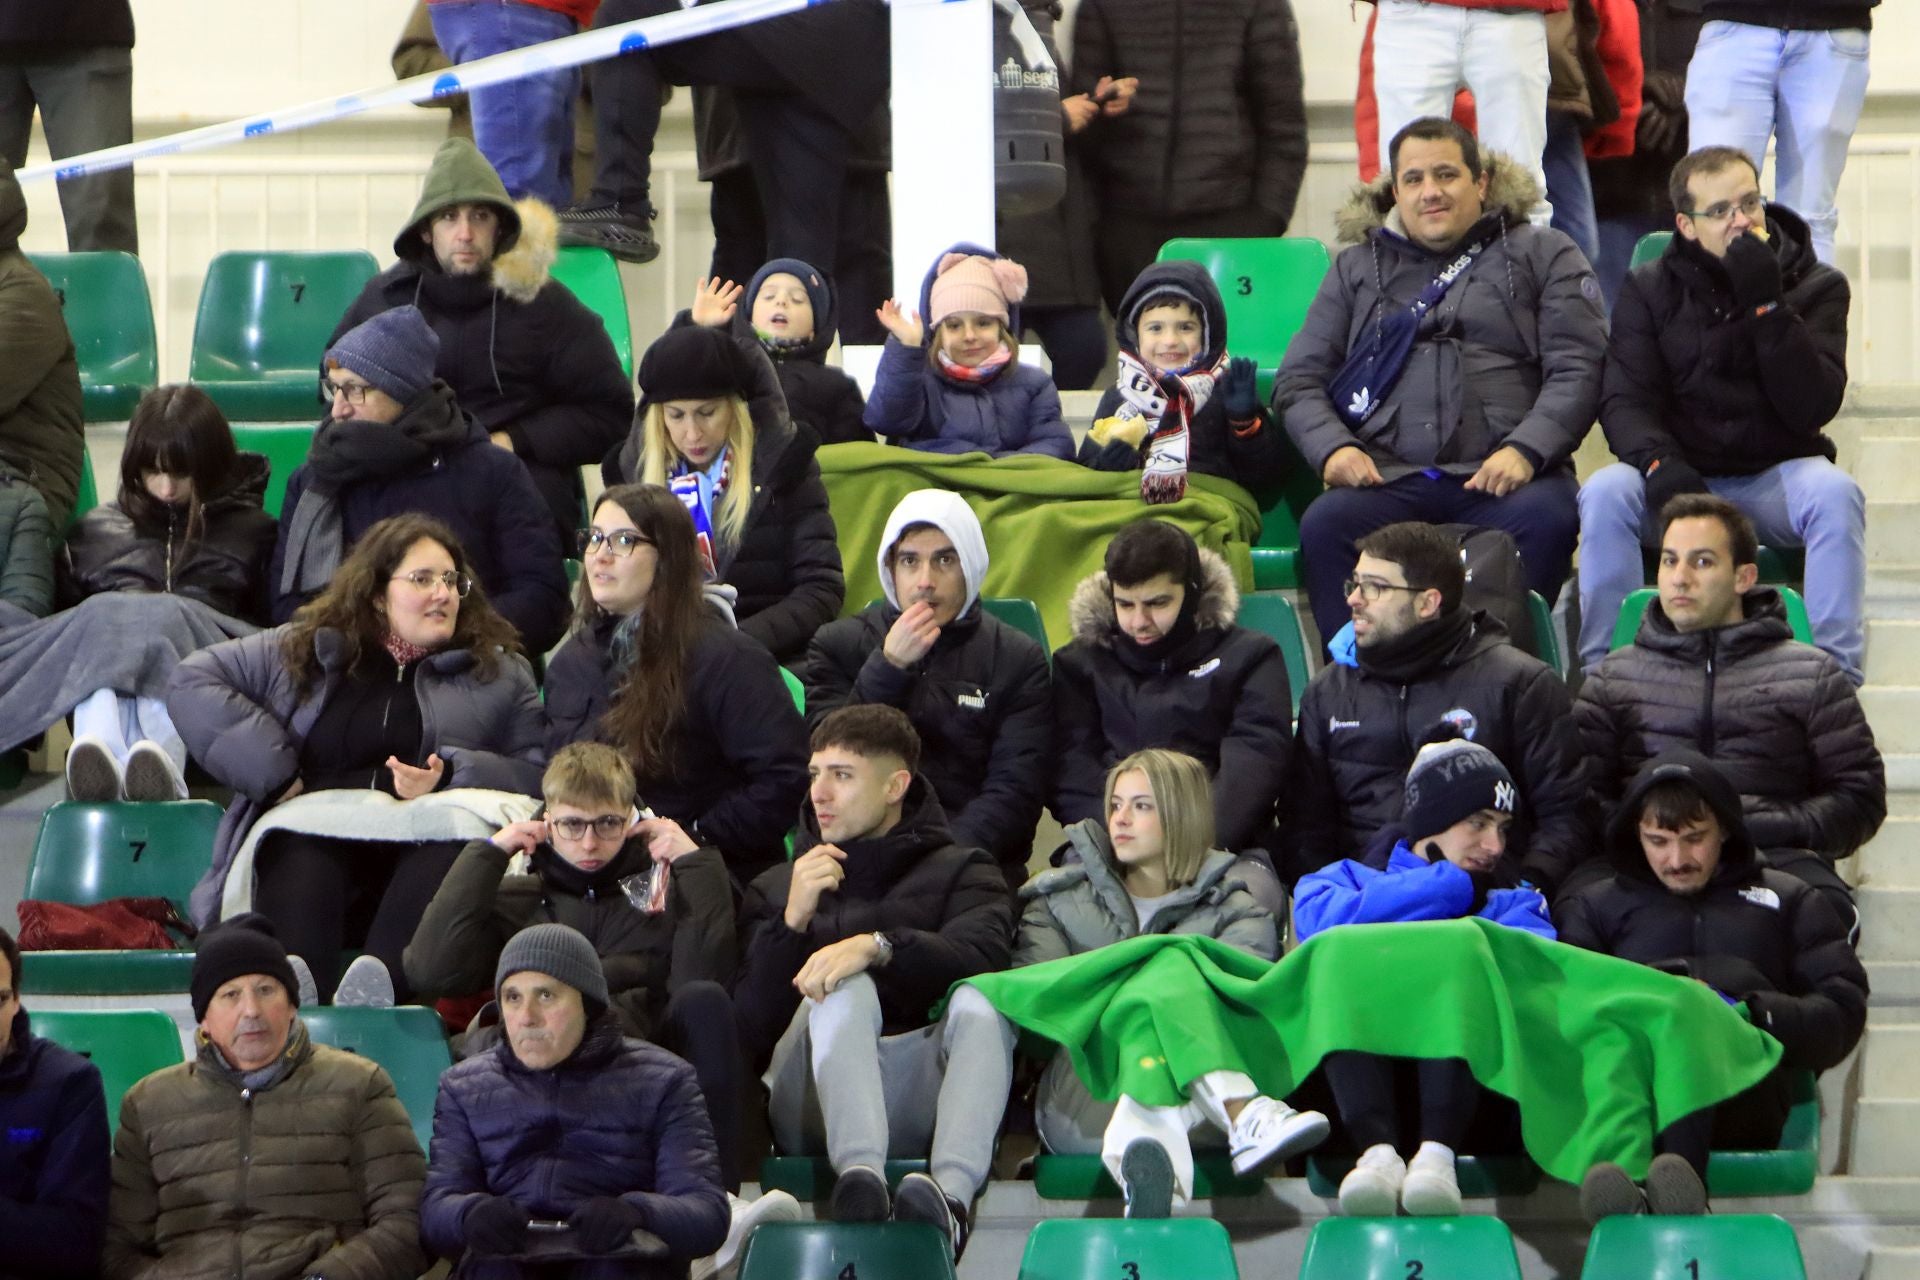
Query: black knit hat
(233, 949)
(692, 362)
(1452, 779)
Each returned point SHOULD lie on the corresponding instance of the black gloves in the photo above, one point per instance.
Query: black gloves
(604, 1223)
(1663, 113)
(496, 1225)
(1667, 478)
(1754, 269)
(1239, 392)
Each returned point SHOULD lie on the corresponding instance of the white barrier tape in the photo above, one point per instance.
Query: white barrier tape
(568, 51)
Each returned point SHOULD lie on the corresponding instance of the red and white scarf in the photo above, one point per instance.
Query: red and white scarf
(1167, 403)
(975, 373)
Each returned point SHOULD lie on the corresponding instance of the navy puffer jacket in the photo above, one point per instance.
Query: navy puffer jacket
(53, 1158)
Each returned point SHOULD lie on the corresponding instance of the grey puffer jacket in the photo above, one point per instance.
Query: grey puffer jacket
(1778, 717)
(241, 717)
(1511, 356)
(1084, 905)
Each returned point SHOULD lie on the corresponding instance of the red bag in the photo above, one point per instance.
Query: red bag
(118, 924)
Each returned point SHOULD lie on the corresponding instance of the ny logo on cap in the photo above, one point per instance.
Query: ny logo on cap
(1503, 797)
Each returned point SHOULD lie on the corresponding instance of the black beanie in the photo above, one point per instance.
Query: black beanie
(233, 949)
(1453, 779)
(692, 362)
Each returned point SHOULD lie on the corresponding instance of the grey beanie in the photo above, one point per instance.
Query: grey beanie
(1450, 780)
(559, 952)
(394, 351)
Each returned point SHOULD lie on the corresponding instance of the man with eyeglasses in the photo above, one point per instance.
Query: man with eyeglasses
(395, 440)
(1422, 658)
(1728, 358)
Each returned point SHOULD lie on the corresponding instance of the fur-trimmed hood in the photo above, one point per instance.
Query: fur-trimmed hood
(1091, 610)
(523, 270)
(1369, 207)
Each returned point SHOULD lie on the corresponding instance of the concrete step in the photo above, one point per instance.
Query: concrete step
(1893, 650)
(1889, 924)
(1902, 804)
(1894, 712)
(1903, 778)
(1886, 1137)
(1893, 531)
(1885, 465)
(1896, 990)
(1892, 1062)
(1892, 1263)
(1891, 860)
(1881, 400)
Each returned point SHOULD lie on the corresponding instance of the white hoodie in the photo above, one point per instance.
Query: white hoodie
(949, 513)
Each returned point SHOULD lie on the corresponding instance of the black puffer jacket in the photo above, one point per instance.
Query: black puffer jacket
(1220, 695)
(1756, 934)
(1361, 726)
(225, 568)
(1219, 121)
(1780, 717)
(1690, 376)
(739, 748)
(942, 905)
(820, 397)
(981, 703)
(53, 1183)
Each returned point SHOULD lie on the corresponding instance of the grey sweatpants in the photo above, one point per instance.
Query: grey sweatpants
(838, 1085)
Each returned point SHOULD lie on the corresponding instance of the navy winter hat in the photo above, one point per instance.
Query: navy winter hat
(233, 949)
(1452, 779)
(818, 294)
(394, 351)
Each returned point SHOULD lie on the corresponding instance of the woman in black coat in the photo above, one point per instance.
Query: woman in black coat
(713, 427)
(700, 711)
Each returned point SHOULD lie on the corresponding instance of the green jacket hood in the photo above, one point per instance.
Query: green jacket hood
(459, 175)
(13, 208)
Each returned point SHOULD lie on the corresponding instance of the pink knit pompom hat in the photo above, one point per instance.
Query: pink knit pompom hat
(969, 282)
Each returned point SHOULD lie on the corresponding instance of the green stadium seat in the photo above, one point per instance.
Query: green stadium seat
(1112, 1248)
(811, 1177)
(262, 328)
(128, 1045)
(87, 853)
(1634, 607)
(795, 688)
(834, 1251)
(409, 1042)
(1787, 1170)
(1544, 638)
(1403, 1248)
(1715, 1247)
(87, 494)
(285, 446)
(1085, 1177)
(1266, 283)
(1274, 615)
(110, 315)
(1649, 247)
(1481, 1177)
(594, 277)
(1022, 615)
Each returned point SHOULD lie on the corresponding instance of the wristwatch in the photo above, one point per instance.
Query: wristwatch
(885, 957)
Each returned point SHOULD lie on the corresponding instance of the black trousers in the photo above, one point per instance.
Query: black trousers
(1074, 339)
(698, 1026)
(862, 270)
(324, 894)
(1371, 1093)
(1126, 243)
(1750, 1121)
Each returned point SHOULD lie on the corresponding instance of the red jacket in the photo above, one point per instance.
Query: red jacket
(581, 11)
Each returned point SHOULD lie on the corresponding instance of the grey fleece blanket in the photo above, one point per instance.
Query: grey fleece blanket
(126, 641)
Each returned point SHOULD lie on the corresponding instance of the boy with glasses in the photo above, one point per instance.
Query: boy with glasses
(1728, 358)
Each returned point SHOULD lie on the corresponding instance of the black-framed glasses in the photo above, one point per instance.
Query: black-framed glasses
(425, 580)
(1751, 205)
(621, 542)
(608, 826)
(1370, 588)
(351, 392)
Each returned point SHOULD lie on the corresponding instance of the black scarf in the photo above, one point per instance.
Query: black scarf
(1407, 658)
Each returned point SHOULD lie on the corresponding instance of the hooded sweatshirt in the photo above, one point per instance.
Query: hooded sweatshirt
(41, 415)
(980, 699)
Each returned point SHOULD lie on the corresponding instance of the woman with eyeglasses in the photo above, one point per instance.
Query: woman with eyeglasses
(700, 711)
(713, 427)
(395, 440)
(398, 678)
(177, 561)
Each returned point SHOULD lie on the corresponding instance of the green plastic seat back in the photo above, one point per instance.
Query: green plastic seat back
(1649, 247)
(1634, 607)
(110, 315)
(1123, 1249)
(1716, 1247)
(87, 494)
(852, 1251)
(87, 853)
(1267, 284)
(268, 315)
(1273, 615)
(285, 445)
(1789, 1168)
(1021, 614)
(409, 1042)
(1409, 1248)
(128, 1045)
(1543, 633)
(594, 278)
(795, 688)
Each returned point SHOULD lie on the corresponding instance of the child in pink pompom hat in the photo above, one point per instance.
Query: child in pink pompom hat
(955, 384)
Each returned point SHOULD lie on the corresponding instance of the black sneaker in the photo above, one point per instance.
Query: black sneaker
(627, 234)
(1146, 1179)
(860, 1195)
(920, 1199)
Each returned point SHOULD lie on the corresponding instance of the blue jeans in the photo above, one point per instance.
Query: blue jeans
(1617, 237)
(1807, 502)
(1804, 89)
(1569, 188)
(524, 127)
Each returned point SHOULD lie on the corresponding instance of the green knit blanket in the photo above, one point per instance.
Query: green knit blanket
(1047, 521)
(1599, 1053)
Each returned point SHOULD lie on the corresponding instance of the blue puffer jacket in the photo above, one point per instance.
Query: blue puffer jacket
(1016, 411)
(1410, 888)
(53, 1159)
(620, 1117)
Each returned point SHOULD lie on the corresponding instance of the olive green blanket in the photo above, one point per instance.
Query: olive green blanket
(1047, 521)
(1599, 1053)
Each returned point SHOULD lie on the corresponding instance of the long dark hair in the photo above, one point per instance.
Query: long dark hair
(178, 430)
(652, 694)
(352, 603)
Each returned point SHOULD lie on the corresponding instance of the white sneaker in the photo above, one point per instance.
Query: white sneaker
(772, 1206)
(152, 775)
(1269, 1129)
(93, 775)
(1372, 1190)
(308, 992)
(1432, 1188)
(366, 985)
